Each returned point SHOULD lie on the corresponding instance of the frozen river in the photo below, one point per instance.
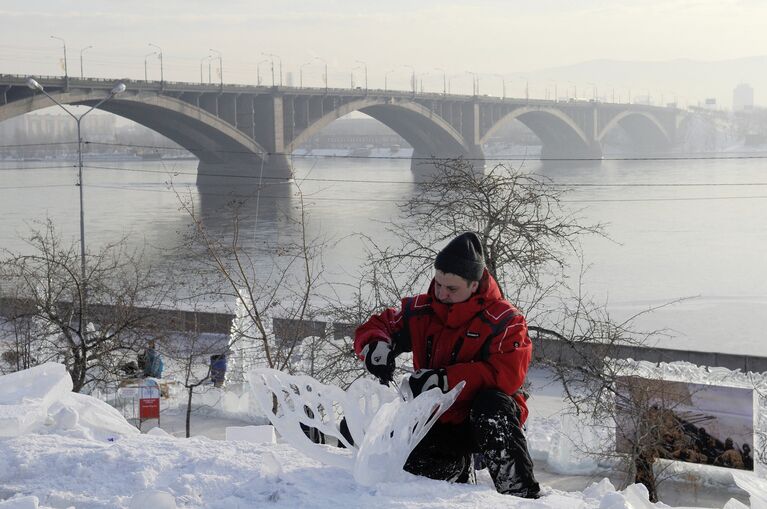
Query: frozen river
(679, 228)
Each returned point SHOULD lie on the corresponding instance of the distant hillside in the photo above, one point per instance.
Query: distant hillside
(690, 80)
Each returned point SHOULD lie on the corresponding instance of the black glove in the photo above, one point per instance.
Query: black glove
(379, 360)
(425, 379)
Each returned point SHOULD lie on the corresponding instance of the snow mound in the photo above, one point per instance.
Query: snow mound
(40, 400)
(82, 416)
(756, 488)
(26, 396)
(153, 499)
(21, 503)
(255, 434)
(198, 473)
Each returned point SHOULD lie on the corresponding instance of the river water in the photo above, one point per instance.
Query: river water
(679, 228)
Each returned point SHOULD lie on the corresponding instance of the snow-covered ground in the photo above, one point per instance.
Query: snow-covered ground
(60, 450)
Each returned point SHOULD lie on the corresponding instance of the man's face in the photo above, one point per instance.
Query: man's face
(451, 289)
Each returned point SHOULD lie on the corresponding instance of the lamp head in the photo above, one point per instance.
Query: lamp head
(34, 85)
(118, 89)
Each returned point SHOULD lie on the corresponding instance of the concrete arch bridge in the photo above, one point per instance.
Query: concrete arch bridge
(234, 129)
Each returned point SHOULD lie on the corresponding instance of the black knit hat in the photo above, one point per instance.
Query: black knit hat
(462, 257)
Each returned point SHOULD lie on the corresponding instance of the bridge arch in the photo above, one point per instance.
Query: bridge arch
(558, 132)
(209, 138)
(644, 128)
(430, 135)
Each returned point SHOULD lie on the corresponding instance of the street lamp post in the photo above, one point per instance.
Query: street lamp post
(159, 54)
(202, 76)
(444, 80)
(326, 71)
(301, 73)
(81, 60)
(66, 70)
(412, 77)
(146, 75)
(220, 66)
(503, 85)
(258, 70)
(474, 83)
(365, 66)
(556, 90)
(386, 79)
(273, 56)
(117, 89)
(593, 90)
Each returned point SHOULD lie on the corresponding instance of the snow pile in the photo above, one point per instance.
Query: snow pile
(566, 455)
(82, 416)
(39, 400)
(207, 474)
(21, 503)
(255, 434)
(26, 396)
(80, 454)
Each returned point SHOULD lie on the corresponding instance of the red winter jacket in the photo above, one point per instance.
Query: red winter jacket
(482, 340)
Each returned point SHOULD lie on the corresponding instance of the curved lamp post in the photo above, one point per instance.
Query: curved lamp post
(301, 73)
(474, 83)
(258, 70)
(412, 77)
(326, 71)
(220, 66)
(202, 61)
(81, 60)
(593, 89)
(119, 88)
(273, 56)
(365, 66)
(503, 84)
(159, 54)
(64, 43)
(444, 80)
(146, 75)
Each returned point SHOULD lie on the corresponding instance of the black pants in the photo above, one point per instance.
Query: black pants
(492, 430)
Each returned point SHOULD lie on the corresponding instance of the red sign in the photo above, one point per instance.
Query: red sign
(149, 408)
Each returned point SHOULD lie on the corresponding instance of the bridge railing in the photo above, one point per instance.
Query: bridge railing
(19, 80)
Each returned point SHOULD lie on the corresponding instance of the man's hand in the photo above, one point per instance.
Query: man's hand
(379, 360)
(425, 379)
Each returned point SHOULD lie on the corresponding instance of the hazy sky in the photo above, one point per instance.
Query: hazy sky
(482, 36)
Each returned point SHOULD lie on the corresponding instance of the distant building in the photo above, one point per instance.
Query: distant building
(743, 97)
(289, 79)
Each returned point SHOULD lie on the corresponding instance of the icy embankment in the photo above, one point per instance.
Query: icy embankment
(75, 451)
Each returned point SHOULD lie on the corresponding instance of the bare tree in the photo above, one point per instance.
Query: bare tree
(638, 419)
(260, 291)
(191, 357)
(526, 232)
(24, 338)
(122, 294)
(528, 237)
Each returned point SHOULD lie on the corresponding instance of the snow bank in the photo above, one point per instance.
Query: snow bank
(756, 487)
(25, 396)
(199, 473)
(82, 416)
(40, 400)
(567, 454)
(256, 434)
(153, 499)
(21, 503)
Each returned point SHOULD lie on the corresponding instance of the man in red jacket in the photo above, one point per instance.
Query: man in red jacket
(461, 330)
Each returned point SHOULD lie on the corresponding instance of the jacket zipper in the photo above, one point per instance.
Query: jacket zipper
(456, 350)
